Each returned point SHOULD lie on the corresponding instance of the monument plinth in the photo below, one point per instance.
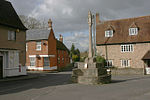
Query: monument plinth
(90, 72)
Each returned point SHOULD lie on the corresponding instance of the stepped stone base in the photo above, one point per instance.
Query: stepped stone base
(94, 73)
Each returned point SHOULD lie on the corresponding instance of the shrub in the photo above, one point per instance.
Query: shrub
(100, 59)
(82, 59)
(75, 58)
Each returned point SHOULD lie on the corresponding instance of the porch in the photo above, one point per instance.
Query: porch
(146, 60)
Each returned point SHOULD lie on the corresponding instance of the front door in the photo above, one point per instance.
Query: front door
(147, 67)
(1, 66)
(148, 63)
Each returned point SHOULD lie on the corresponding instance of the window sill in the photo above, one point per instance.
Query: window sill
(12, 68)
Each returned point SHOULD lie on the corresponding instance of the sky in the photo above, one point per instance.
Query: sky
(70, 16)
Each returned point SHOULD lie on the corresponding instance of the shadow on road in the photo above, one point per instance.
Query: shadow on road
(45, 80)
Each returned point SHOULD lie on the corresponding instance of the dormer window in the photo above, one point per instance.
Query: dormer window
(109, 33)
(133, 31)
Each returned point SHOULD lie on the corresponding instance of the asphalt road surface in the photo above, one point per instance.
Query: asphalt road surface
(57, 86)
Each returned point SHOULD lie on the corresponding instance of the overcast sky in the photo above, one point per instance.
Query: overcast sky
(70, 16)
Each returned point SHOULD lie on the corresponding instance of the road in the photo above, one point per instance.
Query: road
(57, 86)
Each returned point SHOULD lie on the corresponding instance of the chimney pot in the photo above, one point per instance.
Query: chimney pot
(97, 18)
(50, 23)
(60, 38)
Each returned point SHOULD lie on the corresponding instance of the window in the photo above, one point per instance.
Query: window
(26, 47)
(32, 61)
(127, 48)
(109, 33)
(125, 63)
(11, 35)
(59, 60)
(133, 31)
(63, 60)
(46, 61)
(38, 46)
(109, 63)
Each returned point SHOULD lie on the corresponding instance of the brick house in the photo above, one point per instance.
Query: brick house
(12, 42)
(125, 43)
(44, 52)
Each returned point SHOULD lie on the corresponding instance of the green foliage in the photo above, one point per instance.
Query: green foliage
(82, 59)
(75, 53)
(75, 58)
(68, 67)
(100, 59)
(72, 49)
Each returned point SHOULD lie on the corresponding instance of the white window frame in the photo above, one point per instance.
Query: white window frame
(38, 46)
(125, 63)
(109, 33)
(133, 31)
(127, 48)
(108, 63)
(26, 47)
(46, 61)
(32, 61)
(11, 35)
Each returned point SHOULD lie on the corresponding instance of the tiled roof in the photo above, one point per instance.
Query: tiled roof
(43, 34)
(146, 56)
(37, 34)
(9, 17)
(61, 46)
(121, 31)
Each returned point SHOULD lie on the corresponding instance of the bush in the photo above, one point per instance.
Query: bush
(82, 59)
(100, 59)
(75, 58)
(68, 67)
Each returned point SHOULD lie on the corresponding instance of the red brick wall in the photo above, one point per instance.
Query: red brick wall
(52, 49)
(63, 54)
(31, 50)
(48, 49)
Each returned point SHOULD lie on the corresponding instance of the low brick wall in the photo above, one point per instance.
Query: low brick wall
(127, 71)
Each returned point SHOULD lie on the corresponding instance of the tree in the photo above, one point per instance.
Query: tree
(75, 53)
(32, 23)
(72, 49)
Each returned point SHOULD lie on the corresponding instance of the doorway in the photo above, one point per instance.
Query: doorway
(1, 66)
(147, 66)
(148, 63)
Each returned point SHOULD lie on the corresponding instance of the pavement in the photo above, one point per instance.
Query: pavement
(30, 75)
(22, 77)
(57, 86)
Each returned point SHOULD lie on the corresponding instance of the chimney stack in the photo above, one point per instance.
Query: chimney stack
(97, 18)
(61, 38)
(50, 23)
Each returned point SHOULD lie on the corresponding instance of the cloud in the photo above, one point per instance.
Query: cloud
(80, 40)
(70, 16)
